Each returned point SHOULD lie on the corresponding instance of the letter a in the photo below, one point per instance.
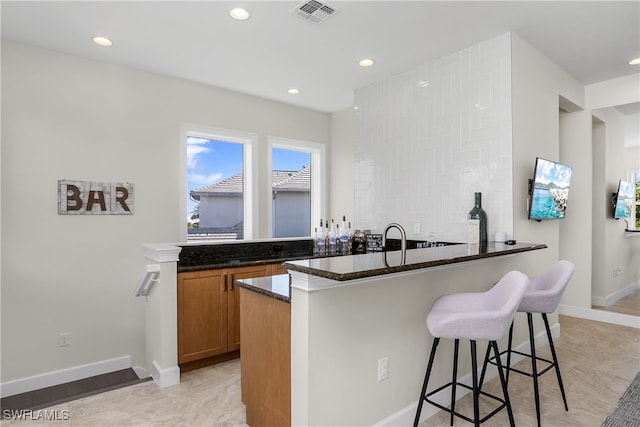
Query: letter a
(93, 199)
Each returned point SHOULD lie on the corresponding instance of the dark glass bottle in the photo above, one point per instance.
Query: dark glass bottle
(479, 214)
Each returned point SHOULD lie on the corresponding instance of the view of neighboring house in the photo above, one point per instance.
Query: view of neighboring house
(220, 207)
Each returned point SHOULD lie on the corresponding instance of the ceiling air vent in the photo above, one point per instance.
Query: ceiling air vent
(314, 11)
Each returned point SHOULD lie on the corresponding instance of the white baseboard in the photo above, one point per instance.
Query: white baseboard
(600, 315)
(165, 377)
(406, 415)
(48, 379)
(613, 298)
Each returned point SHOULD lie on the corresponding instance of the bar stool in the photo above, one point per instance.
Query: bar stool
(542, 296)
(473, 316)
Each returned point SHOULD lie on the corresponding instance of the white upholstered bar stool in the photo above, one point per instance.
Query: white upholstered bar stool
(473, 316)
(542, 296)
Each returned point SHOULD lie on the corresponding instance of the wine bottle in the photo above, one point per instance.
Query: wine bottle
(344, 237)
(321, 248)
(326, 236)
(477, 222)
(332, 239)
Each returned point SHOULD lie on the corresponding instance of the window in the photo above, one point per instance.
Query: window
(296, 186)
(290, 192)
(219, 184)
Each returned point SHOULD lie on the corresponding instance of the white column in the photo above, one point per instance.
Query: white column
(161, 317)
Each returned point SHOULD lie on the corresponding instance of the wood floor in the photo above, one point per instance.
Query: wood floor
(628, 305)
(597, 361)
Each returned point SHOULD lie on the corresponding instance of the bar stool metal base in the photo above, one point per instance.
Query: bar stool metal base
(475, 388)
(535, 373)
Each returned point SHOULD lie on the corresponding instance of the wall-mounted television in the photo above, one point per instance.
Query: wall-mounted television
(623, 200)
(549, 190)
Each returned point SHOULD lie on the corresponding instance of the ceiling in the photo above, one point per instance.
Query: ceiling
(274, 50)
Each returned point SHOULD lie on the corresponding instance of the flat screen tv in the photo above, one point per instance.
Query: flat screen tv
(623, 200)
(549, 190)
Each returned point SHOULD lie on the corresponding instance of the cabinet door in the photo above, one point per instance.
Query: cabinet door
(202, 314)
(234, 299)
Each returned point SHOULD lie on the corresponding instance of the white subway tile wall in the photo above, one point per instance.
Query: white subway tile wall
(427, 139)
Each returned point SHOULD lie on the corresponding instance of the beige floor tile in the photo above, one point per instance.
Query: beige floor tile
(597, 361)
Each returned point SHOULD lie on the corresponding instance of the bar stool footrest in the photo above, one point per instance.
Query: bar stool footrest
(528, 374)
(460, 415)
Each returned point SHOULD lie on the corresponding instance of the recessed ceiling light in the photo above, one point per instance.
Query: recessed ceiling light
(239, 14)
(366, 62)
(101, 41)
(293, 91)
(423, 83)
(634, 61)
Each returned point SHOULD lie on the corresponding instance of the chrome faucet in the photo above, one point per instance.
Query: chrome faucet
(403, 239)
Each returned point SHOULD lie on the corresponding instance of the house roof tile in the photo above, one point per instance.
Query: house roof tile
(281, 180)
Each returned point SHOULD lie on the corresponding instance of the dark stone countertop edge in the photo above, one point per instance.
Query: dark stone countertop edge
(264, 290)
(400, 268)
(248, 263)
(232, 264)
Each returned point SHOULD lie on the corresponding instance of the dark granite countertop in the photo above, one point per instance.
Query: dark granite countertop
(375, 264)
(195, 257)
(239, 253)
(277, 287)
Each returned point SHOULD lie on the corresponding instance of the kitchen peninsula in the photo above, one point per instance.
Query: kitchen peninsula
(347, 313)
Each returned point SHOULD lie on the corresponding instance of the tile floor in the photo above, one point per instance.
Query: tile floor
(205, 397)
(597, 360)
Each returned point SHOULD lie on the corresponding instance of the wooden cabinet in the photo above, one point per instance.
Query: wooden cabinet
(278, 269)
(234, 300)
(202, 314)
(266, 359)
(209, 314)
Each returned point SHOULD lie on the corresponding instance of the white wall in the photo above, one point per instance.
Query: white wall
(540, 88)
(617, 251)
(341, 165)
(391, 141)
(611, 93)
(632, 134)
(291, 213)
(65, 117)
(599, 211)
(220, 211)
(423, 149)
(614, 249)
(539, 85)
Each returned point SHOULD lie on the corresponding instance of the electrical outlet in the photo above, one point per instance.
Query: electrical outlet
(64, 339)
(383, 368)
(416, 228)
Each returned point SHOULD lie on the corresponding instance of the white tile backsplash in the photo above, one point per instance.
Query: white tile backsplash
(423, 149)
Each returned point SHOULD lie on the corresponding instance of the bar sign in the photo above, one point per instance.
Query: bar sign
(94, 198)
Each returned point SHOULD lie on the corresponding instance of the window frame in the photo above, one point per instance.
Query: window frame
(250, 157)
(318, 176)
